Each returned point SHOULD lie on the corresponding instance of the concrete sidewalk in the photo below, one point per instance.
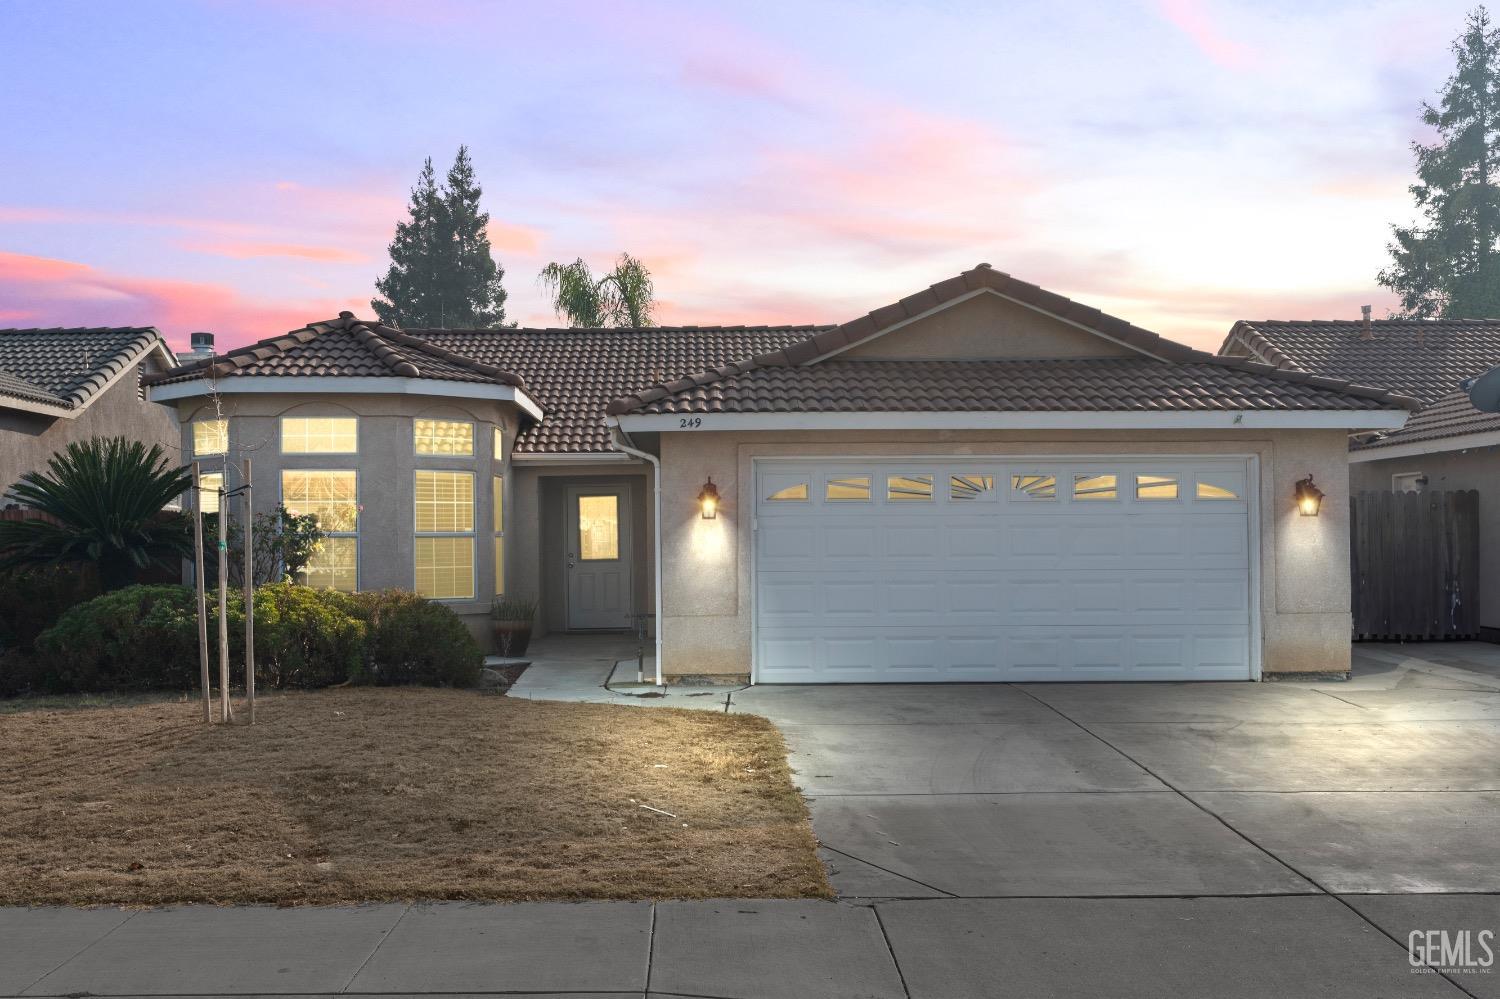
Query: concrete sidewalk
(1245, 948)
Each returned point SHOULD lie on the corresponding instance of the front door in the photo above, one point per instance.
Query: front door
(598, 553)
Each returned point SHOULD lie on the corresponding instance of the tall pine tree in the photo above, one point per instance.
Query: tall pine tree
(1450, 267)
(411, 288)
(442, 272)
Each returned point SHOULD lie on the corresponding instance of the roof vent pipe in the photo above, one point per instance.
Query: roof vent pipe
(1364, 323)
(202, 342)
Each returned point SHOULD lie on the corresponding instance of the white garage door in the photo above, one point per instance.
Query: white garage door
(921, 570)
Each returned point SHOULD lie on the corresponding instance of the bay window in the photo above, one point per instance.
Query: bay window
(444, 523)
(333, 497)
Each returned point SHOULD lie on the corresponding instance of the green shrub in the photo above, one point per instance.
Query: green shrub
(24, 672)
(306, 637)
(33, 600)
(413, 640)
(146, 637)
(135, 638)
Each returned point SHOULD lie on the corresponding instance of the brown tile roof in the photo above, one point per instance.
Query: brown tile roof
(1450, 416)
(574, 374)
(1425, 359)
(981, 278)
(66, 367)
(343, 347)
(1176, 377)
(1111, 384)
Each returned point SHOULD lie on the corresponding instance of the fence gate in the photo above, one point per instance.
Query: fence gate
(1415, 564)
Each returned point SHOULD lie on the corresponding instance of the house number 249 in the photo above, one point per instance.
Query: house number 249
(690, 422)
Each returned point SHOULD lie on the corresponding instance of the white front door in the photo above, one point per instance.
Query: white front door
(915, 570)
(598, 557)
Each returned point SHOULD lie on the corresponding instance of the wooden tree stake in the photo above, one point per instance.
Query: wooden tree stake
(208, 703)
(249, 521)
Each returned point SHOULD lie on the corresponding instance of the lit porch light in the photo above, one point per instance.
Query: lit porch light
(1309, 497)
(708, 499)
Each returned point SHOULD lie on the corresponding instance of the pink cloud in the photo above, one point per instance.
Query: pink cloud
(1191, 17)
(506, 237)
(51, 292)
(299, 251)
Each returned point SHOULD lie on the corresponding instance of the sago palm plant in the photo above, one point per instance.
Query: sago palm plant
(106, 497)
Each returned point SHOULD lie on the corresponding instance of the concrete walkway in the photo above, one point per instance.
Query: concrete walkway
(1234, 840)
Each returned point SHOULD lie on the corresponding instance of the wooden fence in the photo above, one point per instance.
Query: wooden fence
(1415, 564)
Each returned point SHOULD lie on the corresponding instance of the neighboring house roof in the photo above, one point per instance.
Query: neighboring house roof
(1165, 376)
(1112, 384)
(1422, 358)
(344, 348)
(575, 373)
(65, 369)
(1450, 417)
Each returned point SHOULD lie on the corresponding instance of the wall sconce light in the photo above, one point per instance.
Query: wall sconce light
(708, 499)
(1309, 497)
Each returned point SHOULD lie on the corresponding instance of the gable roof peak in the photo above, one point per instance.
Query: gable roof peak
(382, 351)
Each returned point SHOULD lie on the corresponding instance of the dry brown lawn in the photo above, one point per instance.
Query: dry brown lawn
(360, 795)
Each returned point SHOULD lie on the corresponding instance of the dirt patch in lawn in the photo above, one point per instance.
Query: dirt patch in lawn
(360, 795)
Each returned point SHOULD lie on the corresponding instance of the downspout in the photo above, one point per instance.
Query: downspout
(619, 440)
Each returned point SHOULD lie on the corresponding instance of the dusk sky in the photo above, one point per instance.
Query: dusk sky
(239, 167)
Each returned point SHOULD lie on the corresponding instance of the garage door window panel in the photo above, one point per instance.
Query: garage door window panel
(1090, 487)
(969, 486)
(847, 489)
(1218, 487)
(1156, 487)
(786, 489)
(1033, 486)
(906, 488)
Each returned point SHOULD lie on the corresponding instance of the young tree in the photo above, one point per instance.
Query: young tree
(442, 272)
(105, 498)
(624, 297)
(1450, 266)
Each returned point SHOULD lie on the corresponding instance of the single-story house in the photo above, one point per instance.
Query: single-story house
(58, 386)
(1446, 445)
(982, 481)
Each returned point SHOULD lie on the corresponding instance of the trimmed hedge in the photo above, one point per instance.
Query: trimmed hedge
(146, 638)
(413, 640)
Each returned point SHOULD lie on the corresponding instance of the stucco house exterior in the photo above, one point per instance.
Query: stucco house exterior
(983, 481)
(58, 386)
(1446, 445)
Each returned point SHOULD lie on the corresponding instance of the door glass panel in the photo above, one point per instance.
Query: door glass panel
(598, 528)
(969, 487)
(1094, 487)
(1033, 486)
(848, 487)
(1211, 491)
(908, 487)
(796, 491)
(1156, 487)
